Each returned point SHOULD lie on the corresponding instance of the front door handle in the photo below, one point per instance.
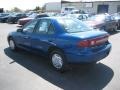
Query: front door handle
(26, 37)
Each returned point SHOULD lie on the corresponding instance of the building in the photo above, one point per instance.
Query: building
(52, 7)
(90, 6)
(95, 6)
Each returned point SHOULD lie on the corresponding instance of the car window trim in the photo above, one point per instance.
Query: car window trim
(53, 28)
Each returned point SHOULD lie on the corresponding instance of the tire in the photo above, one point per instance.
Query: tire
(12, 44)
(119, 26)
(103, 28)
(58, 61)
(115, 28)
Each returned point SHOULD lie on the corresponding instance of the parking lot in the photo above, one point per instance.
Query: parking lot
(25, 71)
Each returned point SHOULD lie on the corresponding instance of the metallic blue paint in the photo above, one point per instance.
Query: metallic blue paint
(67, 42)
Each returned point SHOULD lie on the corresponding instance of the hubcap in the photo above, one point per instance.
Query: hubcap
(12, 45)
(57, 61)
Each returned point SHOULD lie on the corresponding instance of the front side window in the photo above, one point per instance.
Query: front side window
(84, 17)
(80, 17)
(30, 26)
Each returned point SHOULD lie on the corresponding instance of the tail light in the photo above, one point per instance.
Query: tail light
(93, 42)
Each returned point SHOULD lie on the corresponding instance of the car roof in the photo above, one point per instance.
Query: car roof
(55, 18)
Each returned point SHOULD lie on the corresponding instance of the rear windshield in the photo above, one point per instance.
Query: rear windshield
(73, 25)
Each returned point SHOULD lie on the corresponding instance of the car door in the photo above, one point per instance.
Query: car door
(44, 36)
(24, 37)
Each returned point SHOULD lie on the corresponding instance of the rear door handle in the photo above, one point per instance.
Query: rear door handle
(49, 40)
(46, 40)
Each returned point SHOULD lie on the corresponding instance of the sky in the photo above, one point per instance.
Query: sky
(24, 4)
(27, 4)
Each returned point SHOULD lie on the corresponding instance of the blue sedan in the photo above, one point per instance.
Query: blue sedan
(63, 40)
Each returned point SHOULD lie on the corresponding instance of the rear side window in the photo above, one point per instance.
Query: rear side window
(45, 27)
(73, 25)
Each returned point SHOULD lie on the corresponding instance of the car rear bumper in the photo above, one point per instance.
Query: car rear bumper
(90, 57)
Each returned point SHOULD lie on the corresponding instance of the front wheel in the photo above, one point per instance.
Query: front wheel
(115, 28)
(12, 45)
(58, 60)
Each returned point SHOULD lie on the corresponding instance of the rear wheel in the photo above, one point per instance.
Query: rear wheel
(58, 60)
(103, 28)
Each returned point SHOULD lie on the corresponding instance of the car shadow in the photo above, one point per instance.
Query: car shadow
(79, 78)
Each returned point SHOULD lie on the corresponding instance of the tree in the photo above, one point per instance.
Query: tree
(43, 8)
(16, 9)
(37, 8)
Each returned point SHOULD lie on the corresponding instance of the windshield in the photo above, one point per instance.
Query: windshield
(18, 15)
(3, 14)
(73, 25)
(42, 15)
(12, 15)
(33, 15)
(116, 16)
(97, 18)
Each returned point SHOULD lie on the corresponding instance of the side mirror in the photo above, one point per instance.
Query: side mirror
(19, 30)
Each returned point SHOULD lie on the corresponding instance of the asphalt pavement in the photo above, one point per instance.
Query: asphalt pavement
(22, 70)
